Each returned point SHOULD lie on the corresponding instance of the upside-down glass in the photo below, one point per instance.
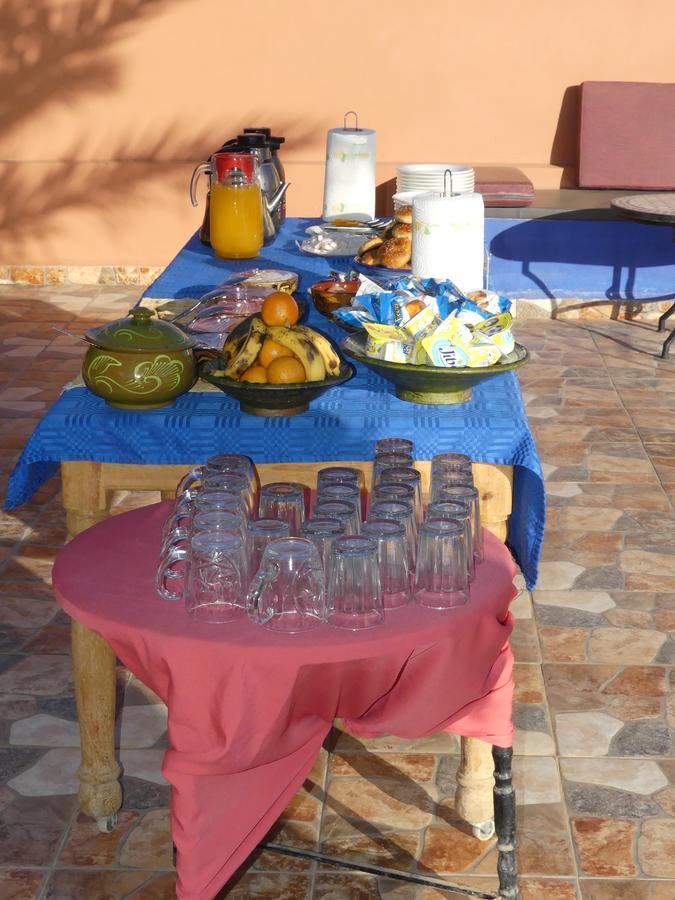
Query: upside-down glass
(208, 501)
(259, 533)
(394, 445)
(222, 463)
(345, 511)
(288, 592)
(283, 500)
(457, 509)
(354, 593)
(402, 493)
(322, 533)
(215, 588)
(441, 577)
(469, 495)
(205, 520)
(439, 459)
(447, 477)
(349, 492)
(398, 475)
(399, 512)
(392, 556)
(339, 474)
(388, 461)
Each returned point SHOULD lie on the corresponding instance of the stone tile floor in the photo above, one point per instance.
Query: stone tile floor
(595, 646)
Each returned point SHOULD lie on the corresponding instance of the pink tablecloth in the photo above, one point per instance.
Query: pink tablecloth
(249, 710)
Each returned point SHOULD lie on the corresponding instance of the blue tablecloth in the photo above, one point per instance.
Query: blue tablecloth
(342, 425)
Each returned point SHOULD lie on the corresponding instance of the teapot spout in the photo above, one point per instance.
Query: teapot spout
(273, 201)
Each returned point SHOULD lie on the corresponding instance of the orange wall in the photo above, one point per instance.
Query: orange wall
(103, 115)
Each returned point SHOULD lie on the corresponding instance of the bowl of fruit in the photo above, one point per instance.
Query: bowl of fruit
(272, 365)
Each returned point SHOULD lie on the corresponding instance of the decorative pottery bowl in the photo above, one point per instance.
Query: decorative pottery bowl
(272, 399)
(139, 362)
(330, 295)
(430, 384)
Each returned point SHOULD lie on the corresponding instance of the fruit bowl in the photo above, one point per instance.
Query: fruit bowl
(272, 399)
(431, 384)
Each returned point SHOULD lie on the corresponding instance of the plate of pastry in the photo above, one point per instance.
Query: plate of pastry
(390, 250)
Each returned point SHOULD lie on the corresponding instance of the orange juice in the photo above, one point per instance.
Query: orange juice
(236, 220)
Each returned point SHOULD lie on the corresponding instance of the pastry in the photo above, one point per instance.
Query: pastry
(402, 230)
(371, 258)
(404, 214)
(395, 253)
(370, 244)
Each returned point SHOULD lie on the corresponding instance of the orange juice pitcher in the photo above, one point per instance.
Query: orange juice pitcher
(236, 206)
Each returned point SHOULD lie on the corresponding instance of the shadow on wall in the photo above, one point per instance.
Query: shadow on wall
(62, 53)
(565, 148)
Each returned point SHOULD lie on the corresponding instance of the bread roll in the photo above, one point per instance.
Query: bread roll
(370, 244)
(404, 214)
(395, 253)
(402, 230)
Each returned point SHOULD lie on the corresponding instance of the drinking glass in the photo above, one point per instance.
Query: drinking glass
(439, 459)
(345, 511)
(283, 500)
(469, 495)
(394, 445)
(441, 577)
(402, 493)
(448, 476)
(392, 557)
(354, 594)
(288, 592)
(215, 588)
(222, 464)
(349, 492)
(205, 520)
(399, 512)
(322, 533)
(259, 533)
(399, 475)
(339, 474)
(457, 509)
(388, 461)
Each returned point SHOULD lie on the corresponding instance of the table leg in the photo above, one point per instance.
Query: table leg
(505, 823)
(85, 498)
(475, 783)
(100, 793)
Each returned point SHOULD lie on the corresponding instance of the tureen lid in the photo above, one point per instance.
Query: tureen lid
(140, 331)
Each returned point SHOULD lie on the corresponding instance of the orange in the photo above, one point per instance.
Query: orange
(280, 309)
(271, 350)
(285, 370)
(255, 374)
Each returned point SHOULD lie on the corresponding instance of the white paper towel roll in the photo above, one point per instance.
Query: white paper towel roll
(448, 238)
(349, 187)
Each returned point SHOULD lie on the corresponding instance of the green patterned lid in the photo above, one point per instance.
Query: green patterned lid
(140, 331)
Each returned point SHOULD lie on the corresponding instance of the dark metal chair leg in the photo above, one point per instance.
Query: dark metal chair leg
(663, 318)
(505, 823)
(668, 341)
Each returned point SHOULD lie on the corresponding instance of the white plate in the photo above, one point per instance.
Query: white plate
(420, 181)
(427, 168)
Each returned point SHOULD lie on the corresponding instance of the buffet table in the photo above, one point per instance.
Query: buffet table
(249, 709)
(100, 449)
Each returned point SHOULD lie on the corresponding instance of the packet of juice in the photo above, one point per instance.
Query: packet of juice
(423, 322)
(496, 331)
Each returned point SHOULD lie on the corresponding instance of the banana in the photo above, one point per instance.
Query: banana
(242, 347)
(328, 353)
(303, 348)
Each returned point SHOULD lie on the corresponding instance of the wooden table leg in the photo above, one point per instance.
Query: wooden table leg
(475, 783)
(100, 793)
(85, 499)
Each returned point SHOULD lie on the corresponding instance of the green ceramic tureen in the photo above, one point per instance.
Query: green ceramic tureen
(139, 362)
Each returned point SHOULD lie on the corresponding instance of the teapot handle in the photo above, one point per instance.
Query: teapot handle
(202, 169)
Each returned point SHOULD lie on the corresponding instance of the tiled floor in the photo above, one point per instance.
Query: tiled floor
(594, 683)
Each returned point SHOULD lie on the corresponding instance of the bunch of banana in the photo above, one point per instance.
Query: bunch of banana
(319, 358)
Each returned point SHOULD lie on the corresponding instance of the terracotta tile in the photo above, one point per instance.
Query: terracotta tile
(605, 846)
(264, 886)
(67, 884)
(163, 887)
(563, 644)
(31, 829)
(630, 645)
(383, 803)
(415, 766)
(448, 849)
(529, 685)
(343, 840)
(149, 844)
(546, 889)
(347, 886)
(87, 846)
(20, 884)
(617, 889)
(646, 681)
(656, 847)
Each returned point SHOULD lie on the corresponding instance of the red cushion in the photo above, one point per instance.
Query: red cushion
(503, 186)
(627, 135)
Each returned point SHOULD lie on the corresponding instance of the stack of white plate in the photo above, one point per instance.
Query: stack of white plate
(430, 177)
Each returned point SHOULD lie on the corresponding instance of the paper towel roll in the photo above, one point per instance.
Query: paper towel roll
(349, 186)
(448, 237)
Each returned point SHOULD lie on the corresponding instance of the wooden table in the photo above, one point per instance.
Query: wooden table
(87, 492)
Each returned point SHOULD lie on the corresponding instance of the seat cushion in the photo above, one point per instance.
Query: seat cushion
(627, 135)
(503, 186)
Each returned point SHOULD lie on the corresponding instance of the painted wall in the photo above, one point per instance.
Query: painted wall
(106, 105)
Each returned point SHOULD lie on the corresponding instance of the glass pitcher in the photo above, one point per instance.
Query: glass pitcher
(235, 204)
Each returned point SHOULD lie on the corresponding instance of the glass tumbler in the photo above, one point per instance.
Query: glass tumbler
(322, 533)
(401, 493)
(457, 509)
(223, 464)
(283, 500)
(288, 592)
(469, 495)
(389, 461)
(259, 533)
(448, 476)
(441, 577)
(215, 588)
(394, 445)
(392, 556)
(439, 459)
(398, 475)
(345, 511)
(349, 492)
(399, 512)
(205, 520)
(354, 593)
(340, 475)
